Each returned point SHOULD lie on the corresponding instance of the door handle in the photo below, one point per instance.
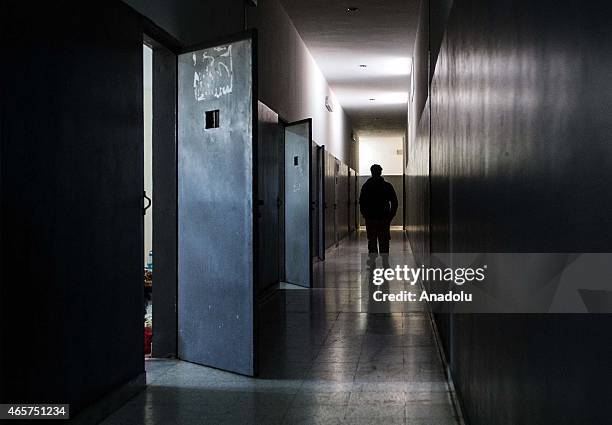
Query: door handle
(146, 207)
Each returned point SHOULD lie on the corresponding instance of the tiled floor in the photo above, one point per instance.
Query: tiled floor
(325, 359)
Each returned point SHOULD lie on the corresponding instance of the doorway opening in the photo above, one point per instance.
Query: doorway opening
(147, 77)
(159, 227)
(386, 151)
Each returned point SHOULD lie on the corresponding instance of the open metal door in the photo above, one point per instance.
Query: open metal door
(298, 203)
(217, 234)
(270, 139)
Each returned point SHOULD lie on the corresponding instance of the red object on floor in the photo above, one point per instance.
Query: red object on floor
(148, 338)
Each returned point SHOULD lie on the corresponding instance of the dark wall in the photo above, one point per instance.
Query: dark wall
(439, 11)
(433, 16)
(193, 21)
(72, 180)
(521, 126)
(417, 188)
(520, 162)
(416, 172)
(420, 70)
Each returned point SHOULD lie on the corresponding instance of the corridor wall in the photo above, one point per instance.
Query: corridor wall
(290, 82)
(519, 132)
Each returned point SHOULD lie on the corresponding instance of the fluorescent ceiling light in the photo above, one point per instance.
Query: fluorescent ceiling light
(396, 66)
(391, 98)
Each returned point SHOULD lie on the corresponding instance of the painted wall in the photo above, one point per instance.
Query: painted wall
(291, 83)
(193, 21)
(518, 126)
(382, 151)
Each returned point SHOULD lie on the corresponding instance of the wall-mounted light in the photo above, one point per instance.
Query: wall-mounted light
(328, 104)
(363, 66)
(352, 9)
(372, 99)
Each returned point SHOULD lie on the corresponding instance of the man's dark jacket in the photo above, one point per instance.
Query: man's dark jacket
(377, 200)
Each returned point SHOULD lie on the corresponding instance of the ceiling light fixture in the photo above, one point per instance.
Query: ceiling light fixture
(372, 99)
(352, 9)
(363, 66)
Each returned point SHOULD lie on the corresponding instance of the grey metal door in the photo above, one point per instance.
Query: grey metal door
(314, 237)
(343, 200)
(356, 200)
(320, 225)
(337, 201)
(330, 199)
(298, 203)
(351, 189)
(217, 231)
(269, 143)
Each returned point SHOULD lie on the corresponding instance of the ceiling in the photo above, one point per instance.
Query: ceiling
(380, 35)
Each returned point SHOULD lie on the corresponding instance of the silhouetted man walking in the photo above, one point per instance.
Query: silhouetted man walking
(378, 205)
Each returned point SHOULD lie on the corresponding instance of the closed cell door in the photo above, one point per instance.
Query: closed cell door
(351, 206)
(342, 190)
(216, 209)
(298, 203)
(330, 199)
(320, 202)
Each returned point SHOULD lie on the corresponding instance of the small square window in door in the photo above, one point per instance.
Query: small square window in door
(212, 119)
